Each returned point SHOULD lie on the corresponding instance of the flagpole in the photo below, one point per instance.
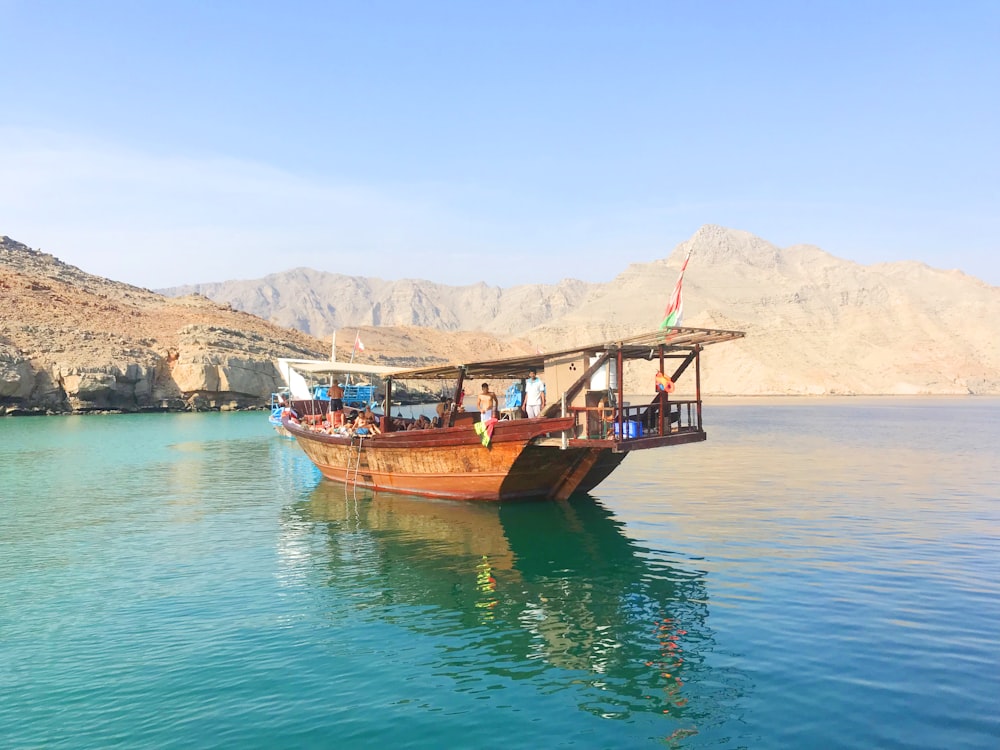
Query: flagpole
(357, 338)
(333, 346)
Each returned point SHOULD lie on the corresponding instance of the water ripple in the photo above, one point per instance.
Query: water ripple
(188, 580)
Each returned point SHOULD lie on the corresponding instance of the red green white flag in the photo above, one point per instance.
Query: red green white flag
(675, 305)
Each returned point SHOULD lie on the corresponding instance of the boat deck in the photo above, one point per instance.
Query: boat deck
(634, 427)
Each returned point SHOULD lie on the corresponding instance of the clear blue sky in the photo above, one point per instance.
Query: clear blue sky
(512, 142)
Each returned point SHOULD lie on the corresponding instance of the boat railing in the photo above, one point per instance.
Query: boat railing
(359, 395)
(637, 422)
(310, 411)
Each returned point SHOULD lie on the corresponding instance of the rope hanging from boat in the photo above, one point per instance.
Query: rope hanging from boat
(355, 454)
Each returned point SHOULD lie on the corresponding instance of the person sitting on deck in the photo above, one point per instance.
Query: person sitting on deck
(606, 417)
(350, 419)
(365, 424)
(420, 423)
(372, 418)
(444, 412)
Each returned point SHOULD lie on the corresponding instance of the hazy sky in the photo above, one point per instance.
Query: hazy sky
(510, 142)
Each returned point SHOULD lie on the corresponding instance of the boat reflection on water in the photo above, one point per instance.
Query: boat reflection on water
(552, 593)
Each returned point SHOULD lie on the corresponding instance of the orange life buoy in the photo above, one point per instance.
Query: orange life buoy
(663, 383)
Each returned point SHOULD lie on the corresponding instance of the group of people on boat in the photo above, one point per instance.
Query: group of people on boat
(337, 423)
(358, 422)
(365, 423)
(531, 402)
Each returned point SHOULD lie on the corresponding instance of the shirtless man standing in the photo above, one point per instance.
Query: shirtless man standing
(487, 403)
(336, 394)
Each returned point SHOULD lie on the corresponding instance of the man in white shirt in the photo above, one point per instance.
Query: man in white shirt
(534, 395)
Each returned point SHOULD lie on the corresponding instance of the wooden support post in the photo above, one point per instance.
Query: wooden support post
(683, 366)
(697, 383)
(387, 411)
(663, 396)
(456, 401)
(619, 361)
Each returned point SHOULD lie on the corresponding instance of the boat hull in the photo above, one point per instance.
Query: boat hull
(521, 462)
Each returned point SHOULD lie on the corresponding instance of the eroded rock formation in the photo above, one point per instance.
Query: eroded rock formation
(73, 342)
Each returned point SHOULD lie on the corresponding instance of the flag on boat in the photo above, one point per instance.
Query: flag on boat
(485, 430)
(675, 305)
(358, 346)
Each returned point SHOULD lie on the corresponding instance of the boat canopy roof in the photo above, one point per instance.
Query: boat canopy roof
(640, 346)
(323, 366)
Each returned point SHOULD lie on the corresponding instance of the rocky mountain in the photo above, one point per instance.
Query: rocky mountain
(815, 324)
(70, 341)
(320, 303)
(74, 342)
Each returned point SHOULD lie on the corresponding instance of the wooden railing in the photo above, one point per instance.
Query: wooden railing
(311, 411)
(634, 422)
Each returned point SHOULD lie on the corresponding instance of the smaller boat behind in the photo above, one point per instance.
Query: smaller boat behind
(279, 402)
(311, 403)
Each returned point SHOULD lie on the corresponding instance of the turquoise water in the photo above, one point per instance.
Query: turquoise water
(816, 575)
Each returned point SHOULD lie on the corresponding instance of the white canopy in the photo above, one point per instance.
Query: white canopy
(291, 370)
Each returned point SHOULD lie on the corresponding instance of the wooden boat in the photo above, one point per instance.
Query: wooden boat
(582, 436)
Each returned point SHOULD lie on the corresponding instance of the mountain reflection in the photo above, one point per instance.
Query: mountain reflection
(552, 593)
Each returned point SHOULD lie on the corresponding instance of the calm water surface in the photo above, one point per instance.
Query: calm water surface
(816, 575)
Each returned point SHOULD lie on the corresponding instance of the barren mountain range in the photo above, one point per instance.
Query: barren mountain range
(74, 342)
(815, 324)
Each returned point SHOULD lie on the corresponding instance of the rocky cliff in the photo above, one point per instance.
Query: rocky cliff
(73, 342)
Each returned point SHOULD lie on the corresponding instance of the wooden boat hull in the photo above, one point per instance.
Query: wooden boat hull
(520, 463)
(543, 457)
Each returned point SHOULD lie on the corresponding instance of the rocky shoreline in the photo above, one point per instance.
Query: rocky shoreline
(72, 343)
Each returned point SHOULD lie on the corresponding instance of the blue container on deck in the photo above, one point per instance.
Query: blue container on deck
(632, 429)
(358, 395)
